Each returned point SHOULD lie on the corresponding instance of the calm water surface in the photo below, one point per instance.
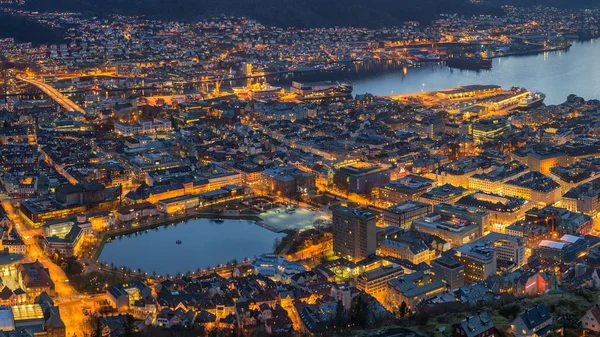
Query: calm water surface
(204, 243)
(557, 74)
(207, 243)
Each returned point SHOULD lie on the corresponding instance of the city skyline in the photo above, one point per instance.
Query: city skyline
(316, 168)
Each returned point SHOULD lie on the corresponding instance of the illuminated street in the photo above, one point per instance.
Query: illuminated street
(316, 168)
(71, 302)
(54, 94)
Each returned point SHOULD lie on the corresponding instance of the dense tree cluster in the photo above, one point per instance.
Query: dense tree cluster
(25, 30)
(554, 3)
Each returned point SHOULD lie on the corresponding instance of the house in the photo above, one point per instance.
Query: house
(279, 324)
(533, 322)
(7, 297)
(4, 220)
(206, 320)
(123, 296)
(143, 308)
(475, 326)
(168, 318)
(34, 278)
(591, 320)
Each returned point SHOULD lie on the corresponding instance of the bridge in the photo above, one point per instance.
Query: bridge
(54, 94)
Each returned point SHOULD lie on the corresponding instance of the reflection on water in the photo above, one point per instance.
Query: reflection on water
(557, 74)
(204, 243)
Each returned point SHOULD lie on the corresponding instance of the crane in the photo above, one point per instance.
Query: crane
(218, 83)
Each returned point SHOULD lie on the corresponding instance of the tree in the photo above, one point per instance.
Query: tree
(91, 327)
(340, 318)
(403, 310)
(360, 313)
(276, 244)
(129, 328)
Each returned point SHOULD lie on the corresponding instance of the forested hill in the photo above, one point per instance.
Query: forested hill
(552, 3)
(281, 13)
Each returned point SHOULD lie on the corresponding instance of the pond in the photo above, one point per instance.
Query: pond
(204, 243)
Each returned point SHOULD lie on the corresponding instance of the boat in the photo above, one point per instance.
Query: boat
(241, 91)
(264, 91)
(428, 58)
(531, 101)
(178, 242)
(321, 89)
(346, 87)
(473, 63)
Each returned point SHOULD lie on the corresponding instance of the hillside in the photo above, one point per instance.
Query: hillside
(282, 13)
(553, 3)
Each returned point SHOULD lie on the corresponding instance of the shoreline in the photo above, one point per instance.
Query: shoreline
(167, 222)
(310, 70)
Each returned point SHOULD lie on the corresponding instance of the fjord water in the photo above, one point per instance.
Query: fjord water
(557, 74)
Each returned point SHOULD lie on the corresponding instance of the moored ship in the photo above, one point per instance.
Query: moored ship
(532, 101)
(428, 58)
(473, 63)
(319, 89)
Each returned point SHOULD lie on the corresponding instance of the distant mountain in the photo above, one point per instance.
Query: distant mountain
(551, 3)
(24, 30)
(281, 13)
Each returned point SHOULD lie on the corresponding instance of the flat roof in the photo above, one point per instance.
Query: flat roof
(178, 199)
(27, 312)
(407, 206)
(552, 244)
(7, 322)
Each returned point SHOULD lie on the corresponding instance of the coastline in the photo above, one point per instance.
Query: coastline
(169, 221)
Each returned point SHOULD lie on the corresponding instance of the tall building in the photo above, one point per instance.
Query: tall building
(354, 233)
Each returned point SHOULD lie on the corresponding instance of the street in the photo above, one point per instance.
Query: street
(70, 301)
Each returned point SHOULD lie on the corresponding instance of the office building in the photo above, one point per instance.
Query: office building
(510, 249)
(449, 271)
(413, 289)
(354, 233)
(443, 194)
(457, 173)
(490, 129)
(402, 215)
(479, 261)
(453, 230)
(492, 182)
(535, 187)
(360, 178)
(404, 189)
(376, 281)
(503, 210)
(544, 159)
(472, 214)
